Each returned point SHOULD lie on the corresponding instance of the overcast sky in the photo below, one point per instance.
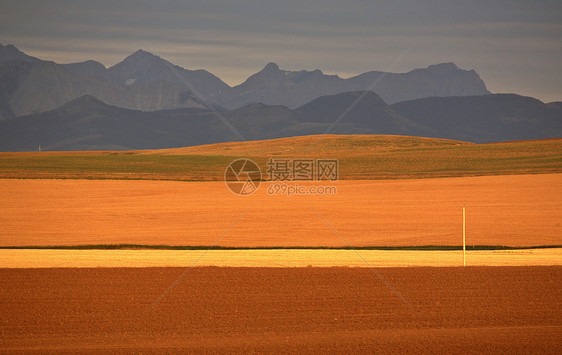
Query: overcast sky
(515, 46)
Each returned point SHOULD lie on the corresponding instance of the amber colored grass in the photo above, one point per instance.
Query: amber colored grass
(518, 210)
(272, 258)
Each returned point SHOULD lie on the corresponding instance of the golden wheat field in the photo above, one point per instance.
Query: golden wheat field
(518, 210)
(49, 258)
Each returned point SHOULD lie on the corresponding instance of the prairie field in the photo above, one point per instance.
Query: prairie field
(361, 158)
(279, 310)
(150, 251)
(512, 210)
(274, 258)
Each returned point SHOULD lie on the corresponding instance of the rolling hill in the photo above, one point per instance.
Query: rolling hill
(364, 157)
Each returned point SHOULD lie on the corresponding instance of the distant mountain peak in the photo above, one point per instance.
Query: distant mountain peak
(449, 66)
(138, 56)
(142, 53)
(269, 76)
(444, 69)
(90, 65)
(347, 98)
(10, 52)
(271, 67)
(140, 66)
(83, 104)
(91, 62)
(84, 100)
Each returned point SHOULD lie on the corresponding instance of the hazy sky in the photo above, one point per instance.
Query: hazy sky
(515, 46)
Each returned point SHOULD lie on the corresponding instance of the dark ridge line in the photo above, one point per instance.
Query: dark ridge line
(202, 247)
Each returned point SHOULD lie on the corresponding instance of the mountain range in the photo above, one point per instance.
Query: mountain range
(87, 123)
(144, 81)
(142, 103)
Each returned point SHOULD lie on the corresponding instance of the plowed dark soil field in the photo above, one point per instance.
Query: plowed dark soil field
(303, 310)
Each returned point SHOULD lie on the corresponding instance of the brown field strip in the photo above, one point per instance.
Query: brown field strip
(10, 258)
(518, 210)
(274, 310)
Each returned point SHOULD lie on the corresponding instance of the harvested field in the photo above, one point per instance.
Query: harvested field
(49, 258)
(302, 310)
(517, 210)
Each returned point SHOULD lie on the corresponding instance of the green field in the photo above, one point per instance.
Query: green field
(360, 157)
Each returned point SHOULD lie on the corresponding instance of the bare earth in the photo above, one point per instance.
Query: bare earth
(300, 310)
(518, 210)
